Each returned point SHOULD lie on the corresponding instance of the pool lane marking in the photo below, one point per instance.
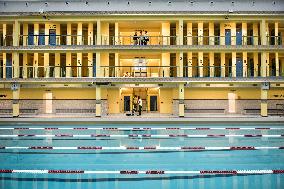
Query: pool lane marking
(140, 136)
(147, 172)
(139, 129)
(150, 148)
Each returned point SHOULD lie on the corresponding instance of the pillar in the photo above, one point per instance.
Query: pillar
(16, 33)
(233, 33)
(166, 33)
(69, 33)
(99, 35)
(4, 64)
(189, 33)
(211, 33)
(267, 65)
(116, 63)
(79, 64)
(98, 101)
(276, 33)
(180, 32)
(68, 64)
(189, 62)
(180, 64)
(255, 64)
(234, 63)
(25, 34)
(58, 33)
(223, 63)
(211, 64)
(263, 64)
(25, 65)
(57, 65)
(245, 64)
(46, 34)
(98, 64)
(90, 34)
(263, 104)
(200, 64)
(277, 64)
(36, 33)
(263, 33)
(200, 33)
(90, 64)
(15, 65)
(244, 33)
(255, 33)
(16, 95)
(222, 34)
(181, 100)
(35, 65)
(79, 34)
(104, 33)
(165, 65)
(4, 33)
(46, 64)
(116, 33)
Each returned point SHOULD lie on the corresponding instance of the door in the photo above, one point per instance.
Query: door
(41, 38)
(8, 68)
(126, 103)
(228, 37)
(251, 68)
(94, 67)
(239, 68)
(52, 37)
(31, 38)
(273, 67)
(153, 103)
(239, 38)
(272, 37)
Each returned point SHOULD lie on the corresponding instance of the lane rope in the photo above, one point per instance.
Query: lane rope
(150, 148)
(140, 128)
(140, 136)
(147, 172)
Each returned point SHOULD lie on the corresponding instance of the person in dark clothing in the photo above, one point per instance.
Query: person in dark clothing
(140, 105)
(135, 39)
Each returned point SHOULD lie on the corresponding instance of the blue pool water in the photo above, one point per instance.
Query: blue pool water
(140, 159)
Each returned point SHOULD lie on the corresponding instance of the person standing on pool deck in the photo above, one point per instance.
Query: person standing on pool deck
(140, 105)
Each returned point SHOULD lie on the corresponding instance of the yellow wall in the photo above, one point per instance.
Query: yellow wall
(166, 99)
(113, 96)
(276, 94)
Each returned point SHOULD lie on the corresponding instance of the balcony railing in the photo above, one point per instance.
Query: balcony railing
(138, 40)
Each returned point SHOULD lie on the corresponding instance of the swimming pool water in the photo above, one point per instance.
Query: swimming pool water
(141, 159)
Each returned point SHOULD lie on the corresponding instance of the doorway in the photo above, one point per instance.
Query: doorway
(52, 37)
(126, 103)
(227, 36)
(239, 68)
(153, 103)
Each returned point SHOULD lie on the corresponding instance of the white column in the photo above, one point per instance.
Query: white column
(200, 64)
(4, 33)
(180, 34)
(211, 33)
(116, 63)
(223, 63)
(233, 33)
(68, 64)
(200, 33)
(46, 34)
(255, 64)
(36, 33)
(245, 63)
(189, 33)
(116, 33)
(4, 64)
(35, 65)
(99, 34)
(79, 64)
(222, 34)
(165, 33)
(244, 33)
(180, 64)
(98, 64)
(189, 60)
(255, 33)
(16, 33)
(25, 65)
(79, 33)
(90, 64)
(90, 34)
(58, 33)
(15, 64)
(277, 63)
(69, 33)
(211, 64)
(276, 32)
(57, 65)
(234, 62)
(165, 65)
(98, 101)
(181, 100)
(46, 64)
(263, 33)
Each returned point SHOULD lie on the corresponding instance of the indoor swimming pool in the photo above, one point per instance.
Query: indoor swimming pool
(142, 156)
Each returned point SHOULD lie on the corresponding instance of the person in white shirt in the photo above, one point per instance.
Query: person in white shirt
(140, 105)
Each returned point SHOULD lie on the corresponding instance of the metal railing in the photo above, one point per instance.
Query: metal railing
(42, 39)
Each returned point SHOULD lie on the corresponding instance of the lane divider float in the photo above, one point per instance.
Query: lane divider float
(150, 148)
(147, 172)
(140, 136)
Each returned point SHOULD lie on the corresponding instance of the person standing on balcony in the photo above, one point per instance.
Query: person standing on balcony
(141, 38)
(135, 38)
(140, 105)
(146, 38)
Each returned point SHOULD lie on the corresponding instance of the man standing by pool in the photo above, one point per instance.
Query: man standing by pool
(140, 105)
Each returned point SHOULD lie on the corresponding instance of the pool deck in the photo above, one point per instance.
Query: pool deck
(196, 118)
